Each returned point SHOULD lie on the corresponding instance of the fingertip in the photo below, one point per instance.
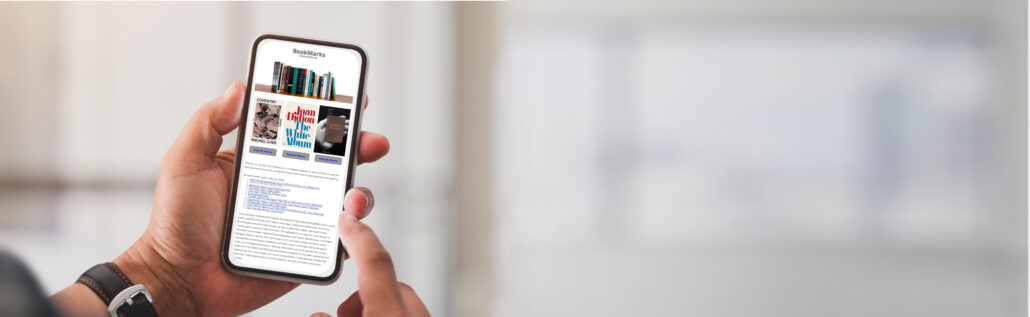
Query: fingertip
(384, 146)
(370, 200)
(357, 202)
(233, 92)
(228, 107)
(320, 314)
(234, 86)
(373, 146)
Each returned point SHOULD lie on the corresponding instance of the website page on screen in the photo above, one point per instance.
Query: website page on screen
(294, 165)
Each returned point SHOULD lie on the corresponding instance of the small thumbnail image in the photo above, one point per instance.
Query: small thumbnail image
(332, 129)
(266, 120)
(304, 82)
(298, 125)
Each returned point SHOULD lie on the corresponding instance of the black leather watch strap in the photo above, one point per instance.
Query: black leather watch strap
(107, 281)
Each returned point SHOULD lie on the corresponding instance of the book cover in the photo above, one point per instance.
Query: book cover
(299, 126)
(275, 77)
(266, 121)
(333, 127)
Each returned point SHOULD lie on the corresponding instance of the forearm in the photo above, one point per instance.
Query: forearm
(78, 300)
(142, 266)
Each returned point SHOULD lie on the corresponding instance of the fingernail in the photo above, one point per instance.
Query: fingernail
(228, 89)
(369, 199)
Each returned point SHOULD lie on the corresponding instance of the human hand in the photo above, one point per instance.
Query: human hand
(320, 133)
(178, 256)
(379, 293)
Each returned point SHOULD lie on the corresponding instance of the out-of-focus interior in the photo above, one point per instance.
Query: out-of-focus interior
(583, 158)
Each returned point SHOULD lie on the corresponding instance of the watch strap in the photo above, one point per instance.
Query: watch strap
(108, 282)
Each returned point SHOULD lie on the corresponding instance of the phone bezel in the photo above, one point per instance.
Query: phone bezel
(241, 131)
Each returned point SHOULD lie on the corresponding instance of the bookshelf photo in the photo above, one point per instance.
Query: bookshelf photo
(303, 82)
(268, 89)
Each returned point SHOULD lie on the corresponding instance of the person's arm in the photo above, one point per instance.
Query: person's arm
(78, 300)
(379, 293)
(178, 257)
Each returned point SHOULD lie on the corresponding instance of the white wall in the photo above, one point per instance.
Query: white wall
(769, 158)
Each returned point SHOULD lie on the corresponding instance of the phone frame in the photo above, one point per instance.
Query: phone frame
(359, 102)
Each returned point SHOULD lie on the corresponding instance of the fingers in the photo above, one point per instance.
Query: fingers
(358, 202)
(226, 160)
(321, 315)
(351, 306)
(203, 133)
(412, 303)
(372, 147)
(377, 281)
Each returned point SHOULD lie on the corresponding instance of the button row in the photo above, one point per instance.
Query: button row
(336, 160)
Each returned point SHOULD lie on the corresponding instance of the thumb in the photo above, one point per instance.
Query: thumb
(203, 133)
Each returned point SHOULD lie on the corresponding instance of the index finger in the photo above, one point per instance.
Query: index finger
(372, 147)
(377, 281)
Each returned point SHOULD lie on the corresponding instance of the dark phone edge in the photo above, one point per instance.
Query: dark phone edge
(352, 160)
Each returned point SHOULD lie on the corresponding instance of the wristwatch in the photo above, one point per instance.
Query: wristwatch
(123, 299)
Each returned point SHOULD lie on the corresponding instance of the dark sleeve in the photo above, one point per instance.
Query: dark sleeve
(20, 294)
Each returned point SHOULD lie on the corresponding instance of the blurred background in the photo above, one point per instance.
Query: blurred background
(578, 158)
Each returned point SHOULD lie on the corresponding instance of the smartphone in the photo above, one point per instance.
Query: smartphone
(296, 154)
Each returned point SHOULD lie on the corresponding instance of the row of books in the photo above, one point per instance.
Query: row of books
(302, 81)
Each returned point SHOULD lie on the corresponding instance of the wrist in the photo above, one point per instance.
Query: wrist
(144, 265)
(78, 300)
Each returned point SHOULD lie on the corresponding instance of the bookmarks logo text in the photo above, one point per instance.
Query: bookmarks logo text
(308, 53)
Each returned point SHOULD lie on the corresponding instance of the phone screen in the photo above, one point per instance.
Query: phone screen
(295, 158)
